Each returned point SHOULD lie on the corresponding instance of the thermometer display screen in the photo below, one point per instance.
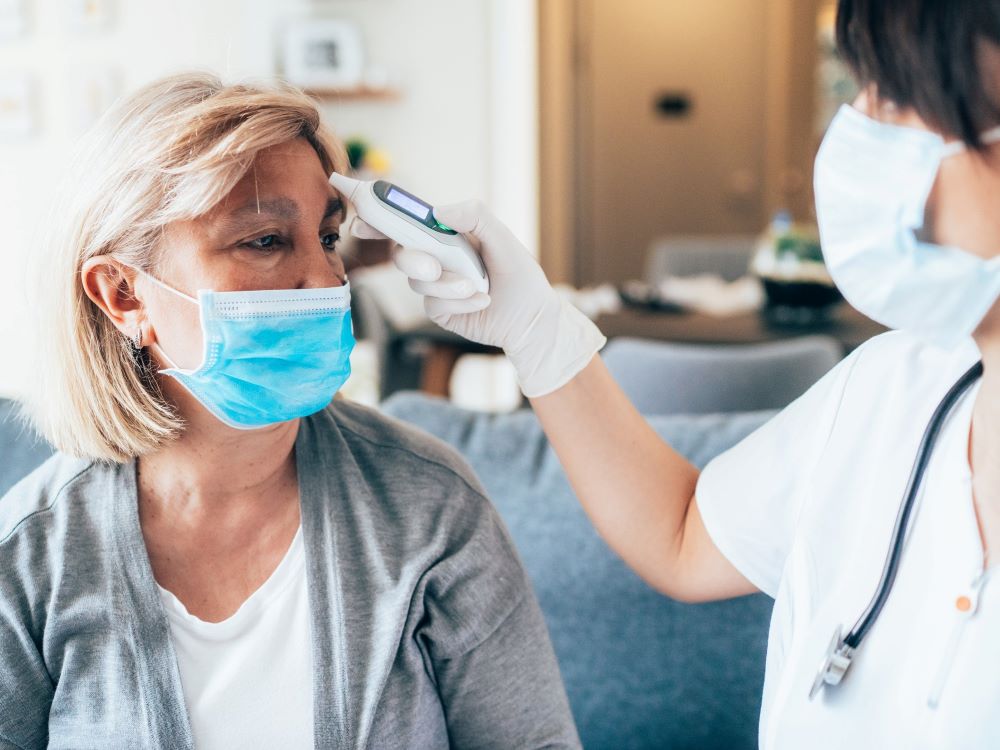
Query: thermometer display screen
(409, 204)
(406, 203)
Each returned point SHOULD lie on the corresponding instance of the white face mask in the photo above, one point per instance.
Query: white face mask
(872, 183)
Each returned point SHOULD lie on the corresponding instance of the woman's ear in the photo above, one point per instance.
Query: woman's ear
(111, 286)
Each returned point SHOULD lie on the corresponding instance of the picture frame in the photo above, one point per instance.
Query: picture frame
(18, 107)
(88, 16)
(323, 54)
(13, 19)
(90, 92)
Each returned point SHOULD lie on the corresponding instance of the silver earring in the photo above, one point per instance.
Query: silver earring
(137, 338)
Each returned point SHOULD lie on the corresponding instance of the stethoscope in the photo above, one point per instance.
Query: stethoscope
(840, 653)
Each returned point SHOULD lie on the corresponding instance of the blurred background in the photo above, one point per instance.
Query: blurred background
(657, 157)
(655, 154)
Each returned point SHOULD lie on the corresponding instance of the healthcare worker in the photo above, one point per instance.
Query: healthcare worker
(806, 509)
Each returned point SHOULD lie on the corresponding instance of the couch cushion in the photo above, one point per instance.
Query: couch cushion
(641, 671)
(21, 450)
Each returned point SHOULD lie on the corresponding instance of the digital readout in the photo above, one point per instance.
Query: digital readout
(409, 204)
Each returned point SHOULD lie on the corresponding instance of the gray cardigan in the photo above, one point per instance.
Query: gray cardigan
(425, 632)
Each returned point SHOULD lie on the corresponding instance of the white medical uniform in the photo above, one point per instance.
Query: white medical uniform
(805, 509)
(247, 680)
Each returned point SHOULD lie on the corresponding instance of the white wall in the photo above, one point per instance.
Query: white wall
(440, 134)
(513, 117)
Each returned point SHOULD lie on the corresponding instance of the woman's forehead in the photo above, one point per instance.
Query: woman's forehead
(285, 182)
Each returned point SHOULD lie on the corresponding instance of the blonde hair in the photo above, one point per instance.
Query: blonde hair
(172, 151)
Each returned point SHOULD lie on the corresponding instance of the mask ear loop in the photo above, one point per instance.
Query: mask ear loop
(167, 287)
(991, 136)
(988, 137)
(953, 148)
(173, 365)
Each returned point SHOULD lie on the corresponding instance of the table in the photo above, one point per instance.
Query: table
(844, 324)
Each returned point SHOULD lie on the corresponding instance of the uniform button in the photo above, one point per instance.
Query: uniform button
(963, 604)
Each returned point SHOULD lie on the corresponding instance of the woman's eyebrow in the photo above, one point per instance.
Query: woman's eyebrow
(280, 208)
(334, 206)
(277, 208)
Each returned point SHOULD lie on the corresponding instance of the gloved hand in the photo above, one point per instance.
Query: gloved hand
(547, 339)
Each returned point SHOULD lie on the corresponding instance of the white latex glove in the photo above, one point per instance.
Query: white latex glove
(546, 339)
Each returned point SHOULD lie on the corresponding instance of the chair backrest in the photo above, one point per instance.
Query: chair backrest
(727, 256)
(668, 378)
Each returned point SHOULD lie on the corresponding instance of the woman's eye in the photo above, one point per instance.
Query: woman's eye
(330, 241)
(267, 242)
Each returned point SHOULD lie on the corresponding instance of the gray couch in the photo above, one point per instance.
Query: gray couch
(20, 449)
(641, 671)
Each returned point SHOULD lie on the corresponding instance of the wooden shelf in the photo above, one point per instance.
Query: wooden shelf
(358, 93)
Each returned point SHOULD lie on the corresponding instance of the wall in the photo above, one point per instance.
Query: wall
(557, 74)
(789, 97)
(440, 53)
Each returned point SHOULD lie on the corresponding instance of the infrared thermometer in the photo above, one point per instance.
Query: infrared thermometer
(405, 218)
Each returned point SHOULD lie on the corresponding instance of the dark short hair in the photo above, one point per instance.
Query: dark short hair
(926, 54)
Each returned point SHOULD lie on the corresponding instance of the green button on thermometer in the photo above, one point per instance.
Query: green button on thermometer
(408, 220)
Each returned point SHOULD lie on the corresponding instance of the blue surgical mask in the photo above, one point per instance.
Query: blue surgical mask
(269, 356)
(872, 184)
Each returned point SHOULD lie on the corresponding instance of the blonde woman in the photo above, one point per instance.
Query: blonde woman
(230, 560)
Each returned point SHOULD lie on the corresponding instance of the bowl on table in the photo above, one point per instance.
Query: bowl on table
(797, 284)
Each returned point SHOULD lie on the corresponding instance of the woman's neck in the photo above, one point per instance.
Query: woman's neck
(213, 470)
(984, 443)
(987, 337)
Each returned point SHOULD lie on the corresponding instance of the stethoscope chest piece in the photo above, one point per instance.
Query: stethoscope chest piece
(834, 665)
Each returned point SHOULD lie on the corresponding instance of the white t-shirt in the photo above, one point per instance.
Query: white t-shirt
(247, 680)
(805, 509)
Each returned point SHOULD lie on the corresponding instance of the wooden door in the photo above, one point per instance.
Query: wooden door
(671, 103)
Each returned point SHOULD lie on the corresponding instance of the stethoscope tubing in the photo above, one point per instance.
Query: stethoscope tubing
(891, 568)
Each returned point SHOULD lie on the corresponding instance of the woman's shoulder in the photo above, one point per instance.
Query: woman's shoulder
(900, 367)
(37, 498)
(427, 505)
(893, 381)
(50, 521)
(396, 450)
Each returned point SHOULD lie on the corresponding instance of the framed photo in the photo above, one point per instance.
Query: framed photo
(88, 16)
(18, 117)
(323, 54)
(13, 19)
(89, 93)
